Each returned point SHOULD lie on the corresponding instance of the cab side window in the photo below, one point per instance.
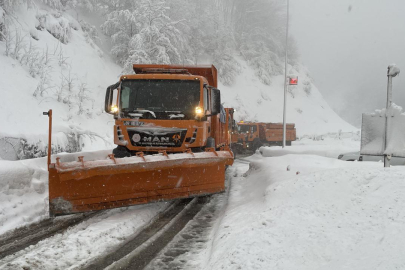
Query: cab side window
(253, 129)
(125, 97)
(206, 104)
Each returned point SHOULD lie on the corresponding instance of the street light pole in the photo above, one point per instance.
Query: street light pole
(392, 72)
(389, 103)
(285, 76)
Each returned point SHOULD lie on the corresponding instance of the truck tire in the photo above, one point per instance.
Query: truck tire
(121, 151)
(210, 142)
(256, 145)
(234, 150)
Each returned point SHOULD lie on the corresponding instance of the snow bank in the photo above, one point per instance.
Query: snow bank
(23, 193)
(322, 213)
(328, 147)
(24, 188)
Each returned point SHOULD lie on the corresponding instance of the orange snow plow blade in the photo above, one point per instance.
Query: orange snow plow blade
(84, 186)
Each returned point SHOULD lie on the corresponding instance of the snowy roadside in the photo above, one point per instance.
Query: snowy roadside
(86, 241)
(331, 215)
(24, 189)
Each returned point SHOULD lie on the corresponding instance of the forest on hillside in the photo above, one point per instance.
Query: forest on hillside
(177, 31)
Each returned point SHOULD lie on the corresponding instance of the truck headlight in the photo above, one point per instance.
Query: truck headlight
(198, 111)
(114, 109)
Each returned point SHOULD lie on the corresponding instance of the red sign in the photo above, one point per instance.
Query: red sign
(293, 80)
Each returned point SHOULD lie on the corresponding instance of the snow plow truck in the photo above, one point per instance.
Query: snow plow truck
(173, 141)
(253, 135)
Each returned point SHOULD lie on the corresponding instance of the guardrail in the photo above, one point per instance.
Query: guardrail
(332, 135)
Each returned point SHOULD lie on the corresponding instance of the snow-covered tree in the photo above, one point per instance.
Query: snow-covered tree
(88, 5)
(2, 21)
(56, 4)
(121, 26)
(143, 33)
(159, 39)
(178, 31)
(7, 8)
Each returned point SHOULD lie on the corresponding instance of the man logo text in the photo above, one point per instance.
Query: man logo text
(156, 139)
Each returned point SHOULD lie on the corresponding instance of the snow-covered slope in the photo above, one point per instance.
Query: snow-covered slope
(255, 101)
(60, 63)
(58, 66)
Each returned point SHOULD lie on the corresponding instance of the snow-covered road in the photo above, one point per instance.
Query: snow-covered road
(293, 210)
(84, 242)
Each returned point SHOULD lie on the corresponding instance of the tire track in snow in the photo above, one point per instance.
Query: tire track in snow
(26, 236)
(137, 252)
(191, 247)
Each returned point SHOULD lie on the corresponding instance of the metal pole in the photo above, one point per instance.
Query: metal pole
(389, 92)
(285, 76)
(389, 103)
(49, 114)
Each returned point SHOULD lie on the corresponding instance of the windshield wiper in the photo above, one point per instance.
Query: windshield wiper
(180, 115)
(175, 114)
(139, 113)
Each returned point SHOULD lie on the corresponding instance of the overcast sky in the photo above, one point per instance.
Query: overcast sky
(347, 46)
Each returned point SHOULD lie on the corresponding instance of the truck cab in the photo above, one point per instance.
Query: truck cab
(170, 108)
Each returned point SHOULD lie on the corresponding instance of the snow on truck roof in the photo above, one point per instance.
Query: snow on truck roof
(208, 72)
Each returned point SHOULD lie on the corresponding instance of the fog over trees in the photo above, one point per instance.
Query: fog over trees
(186, 32)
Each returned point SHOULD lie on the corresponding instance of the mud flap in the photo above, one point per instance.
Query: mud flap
(95, 185)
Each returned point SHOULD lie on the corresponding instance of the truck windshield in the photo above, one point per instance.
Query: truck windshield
(244, 128)
(161, 99)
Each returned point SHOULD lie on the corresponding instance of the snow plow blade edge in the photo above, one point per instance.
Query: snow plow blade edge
(85, 186)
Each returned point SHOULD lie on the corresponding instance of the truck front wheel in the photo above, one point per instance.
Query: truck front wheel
(210, 142)
(121, 151)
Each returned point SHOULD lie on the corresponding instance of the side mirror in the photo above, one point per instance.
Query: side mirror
(109, 98)
(215, 101)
